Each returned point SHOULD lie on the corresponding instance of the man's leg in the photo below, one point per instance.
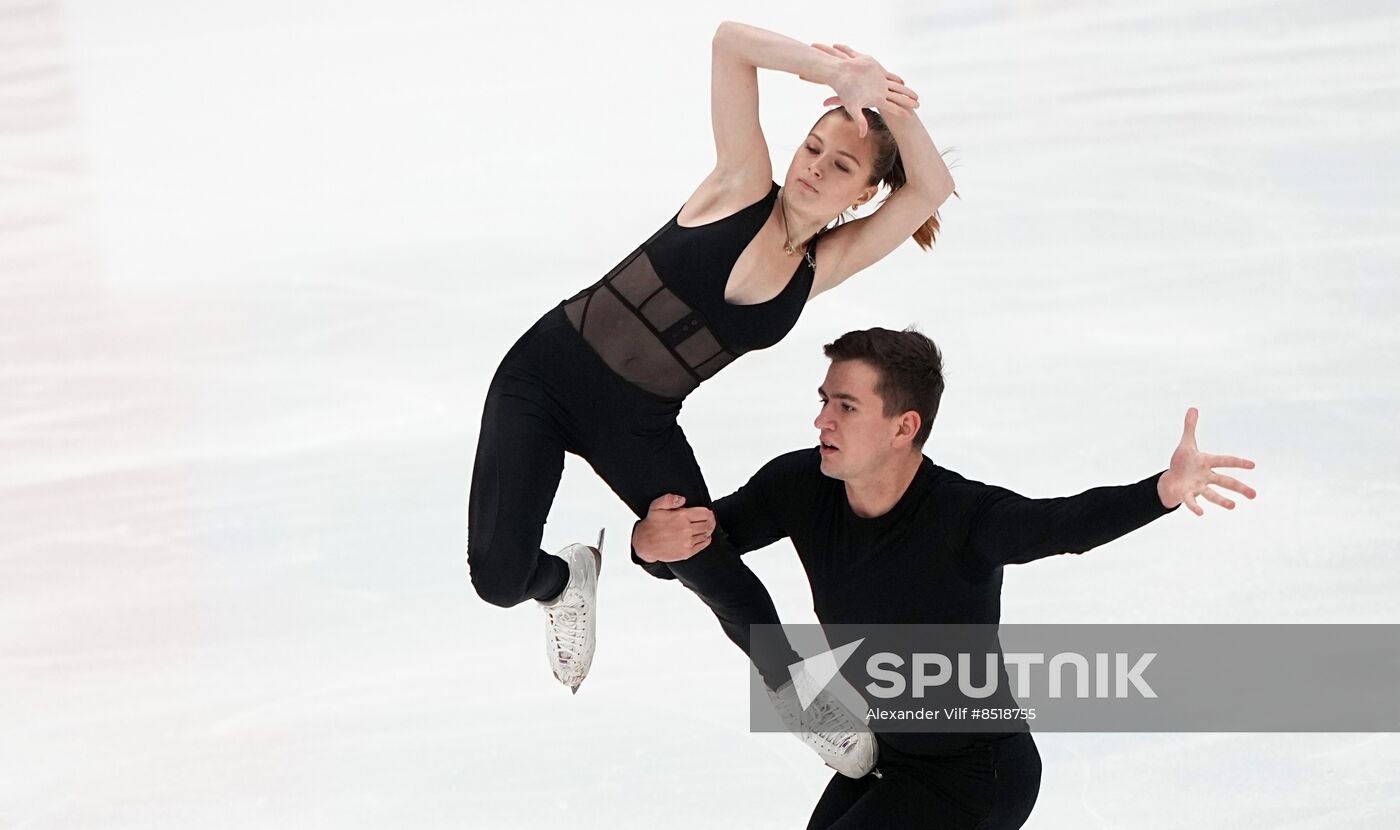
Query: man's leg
(840, 796)
(897, 801)
(1018, 783)
(991, 786)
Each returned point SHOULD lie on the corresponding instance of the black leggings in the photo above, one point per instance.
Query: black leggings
(992, 785)
(552, 394)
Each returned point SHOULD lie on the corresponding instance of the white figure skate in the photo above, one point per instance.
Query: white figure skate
(840, 739)
(571, 617)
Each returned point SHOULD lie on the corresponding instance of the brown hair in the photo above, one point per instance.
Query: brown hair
(888, 168)
(910, 367)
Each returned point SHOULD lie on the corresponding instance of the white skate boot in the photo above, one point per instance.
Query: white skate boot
(840, 739)
(570, 617)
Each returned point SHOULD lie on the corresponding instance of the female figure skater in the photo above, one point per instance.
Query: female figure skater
(603, 374)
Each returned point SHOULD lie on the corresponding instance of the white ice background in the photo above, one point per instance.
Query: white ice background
(259, 259)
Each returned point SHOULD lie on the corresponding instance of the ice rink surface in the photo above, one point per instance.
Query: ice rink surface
(258, 261)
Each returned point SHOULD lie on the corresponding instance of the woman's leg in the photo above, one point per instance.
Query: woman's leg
(519, 461)
(644, 460)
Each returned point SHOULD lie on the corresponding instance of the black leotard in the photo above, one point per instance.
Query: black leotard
(659, 318)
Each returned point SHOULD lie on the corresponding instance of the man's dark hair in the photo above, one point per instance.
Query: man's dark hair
(910, 368)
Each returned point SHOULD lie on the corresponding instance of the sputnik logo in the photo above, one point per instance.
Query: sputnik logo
(811, 676)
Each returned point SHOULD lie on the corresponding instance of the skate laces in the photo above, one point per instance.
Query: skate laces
(568, 625)
(828, 722)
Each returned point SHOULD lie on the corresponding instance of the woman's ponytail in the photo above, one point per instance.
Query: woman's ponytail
(887, 153)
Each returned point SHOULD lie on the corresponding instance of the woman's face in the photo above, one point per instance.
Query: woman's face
(829, 172)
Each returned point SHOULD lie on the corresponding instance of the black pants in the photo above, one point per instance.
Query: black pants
(991, 785)
(551, 395)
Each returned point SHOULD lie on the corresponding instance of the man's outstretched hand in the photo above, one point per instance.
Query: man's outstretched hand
(1193, 472)
(671, 532)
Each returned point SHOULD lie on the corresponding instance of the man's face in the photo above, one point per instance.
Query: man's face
(858, 440)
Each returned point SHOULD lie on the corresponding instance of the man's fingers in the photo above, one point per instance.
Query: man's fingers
(1189, 431)
(703, 525)
(1190, 502)
(1229, 461)
(700, 540)
(1230, 483)
(1215, 498)
(669, 501)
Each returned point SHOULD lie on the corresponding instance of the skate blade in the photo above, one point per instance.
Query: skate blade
(573, 687)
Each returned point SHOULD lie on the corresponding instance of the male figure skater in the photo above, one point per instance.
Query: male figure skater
(887, 536)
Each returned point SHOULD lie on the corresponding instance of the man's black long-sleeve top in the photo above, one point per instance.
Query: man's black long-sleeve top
(936, 557)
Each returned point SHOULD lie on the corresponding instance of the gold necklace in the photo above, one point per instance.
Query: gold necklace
(787, 244)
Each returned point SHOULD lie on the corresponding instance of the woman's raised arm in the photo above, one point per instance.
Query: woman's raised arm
(738, 52)
(922, 185)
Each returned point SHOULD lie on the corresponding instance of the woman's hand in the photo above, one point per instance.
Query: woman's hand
(862, 82)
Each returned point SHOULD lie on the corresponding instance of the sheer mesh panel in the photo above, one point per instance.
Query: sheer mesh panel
(699, 346)
(644, 332)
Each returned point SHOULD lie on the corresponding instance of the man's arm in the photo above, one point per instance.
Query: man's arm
(750, 517)
(1007, 528)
